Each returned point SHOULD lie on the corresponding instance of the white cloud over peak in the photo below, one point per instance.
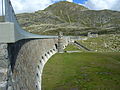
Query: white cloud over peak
(103, 4)
(70, 0)
(30, 5)
(21, 6)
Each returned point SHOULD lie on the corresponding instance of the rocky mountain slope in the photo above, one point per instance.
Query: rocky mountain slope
(70, 18)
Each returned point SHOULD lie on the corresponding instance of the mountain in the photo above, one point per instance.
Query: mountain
(72, 19)
(65, 10)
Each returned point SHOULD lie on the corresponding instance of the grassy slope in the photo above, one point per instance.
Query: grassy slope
(104, 43)
(64, 10)
(71, 47)
(85, 71)
(71, 19)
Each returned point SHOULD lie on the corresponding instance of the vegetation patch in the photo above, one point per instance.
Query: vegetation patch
(82, 71)
(70, 18)
(72, 47)
(103, 43)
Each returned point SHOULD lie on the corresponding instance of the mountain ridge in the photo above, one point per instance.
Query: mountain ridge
(71, 19)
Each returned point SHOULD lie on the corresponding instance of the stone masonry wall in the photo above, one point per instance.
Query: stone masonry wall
(3, 66)
(22, 63)
(27, 59)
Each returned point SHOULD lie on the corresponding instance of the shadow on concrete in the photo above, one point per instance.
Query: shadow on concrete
(13, 50)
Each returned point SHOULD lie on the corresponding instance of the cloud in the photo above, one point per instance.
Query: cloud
(103, 4)
(70, 0)
(21, 6)
(30, 5)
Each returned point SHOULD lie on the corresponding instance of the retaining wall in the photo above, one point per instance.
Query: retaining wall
(22, 62)
(28, 58)
(3, 66)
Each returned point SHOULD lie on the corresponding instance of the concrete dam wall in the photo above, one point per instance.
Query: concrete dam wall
(25, 61)
(28, 62)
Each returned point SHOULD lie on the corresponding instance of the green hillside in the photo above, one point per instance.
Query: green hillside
(70, 18)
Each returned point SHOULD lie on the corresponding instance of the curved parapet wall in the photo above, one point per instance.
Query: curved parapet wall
(28, 58)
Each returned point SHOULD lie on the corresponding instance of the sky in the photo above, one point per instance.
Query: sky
(21, 6)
